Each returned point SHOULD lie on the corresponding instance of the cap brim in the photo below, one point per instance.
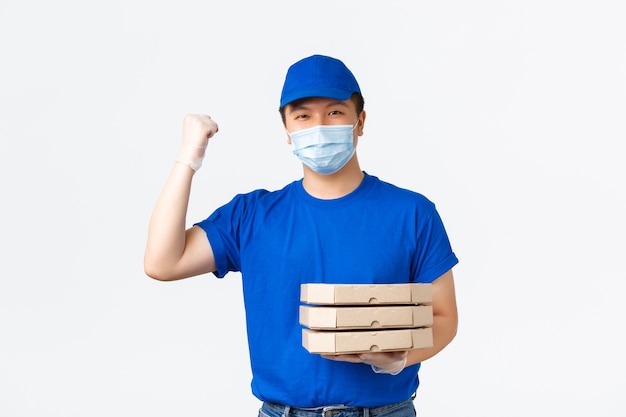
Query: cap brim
(327, 92)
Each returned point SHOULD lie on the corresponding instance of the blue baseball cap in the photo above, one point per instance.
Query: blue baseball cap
(318, 76)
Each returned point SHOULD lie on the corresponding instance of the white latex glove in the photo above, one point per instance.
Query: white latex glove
(381, 362)
(386, 362)
(197, 130)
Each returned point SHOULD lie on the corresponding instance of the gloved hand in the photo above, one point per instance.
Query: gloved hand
(381, 362)
(386, 362)
(197, 130)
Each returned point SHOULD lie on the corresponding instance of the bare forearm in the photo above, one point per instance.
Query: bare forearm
(445, 319)
(444, 330)
(166, 231)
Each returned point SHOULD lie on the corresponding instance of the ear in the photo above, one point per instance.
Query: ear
(361, 123)
(288, 139)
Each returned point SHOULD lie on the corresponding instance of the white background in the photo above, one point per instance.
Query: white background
(509, 115)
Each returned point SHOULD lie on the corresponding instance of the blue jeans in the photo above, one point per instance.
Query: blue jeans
(401, 409)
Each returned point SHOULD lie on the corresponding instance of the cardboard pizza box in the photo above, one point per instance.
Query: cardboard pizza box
(359, 294)
(344, 342)
(365, 317)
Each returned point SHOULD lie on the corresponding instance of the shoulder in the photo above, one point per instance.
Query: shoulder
(263, 196)
(395, 193)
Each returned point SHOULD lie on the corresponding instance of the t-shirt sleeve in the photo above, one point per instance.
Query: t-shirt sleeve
(434, 255)
(222, 229)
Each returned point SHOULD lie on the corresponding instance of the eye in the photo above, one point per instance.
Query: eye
(335, 113)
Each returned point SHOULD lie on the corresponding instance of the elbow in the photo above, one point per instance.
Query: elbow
(453, 329)
(453, 333)
(154, 271)
(447, 327)
(154, 274)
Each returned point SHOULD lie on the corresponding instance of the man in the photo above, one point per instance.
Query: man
(337, 224)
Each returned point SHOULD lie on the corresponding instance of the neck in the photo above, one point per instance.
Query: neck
(337, 185)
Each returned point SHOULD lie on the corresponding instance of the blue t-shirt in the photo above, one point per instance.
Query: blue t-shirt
(278, 240)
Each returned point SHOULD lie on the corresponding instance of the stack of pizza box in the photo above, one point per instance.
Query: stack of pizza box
(357, 318)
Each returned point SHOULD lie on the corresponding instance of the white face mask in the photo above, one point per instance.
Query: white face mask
(324, 148)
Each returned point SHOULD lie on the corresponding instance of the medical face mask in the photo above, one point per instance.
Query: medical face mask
(325, 148)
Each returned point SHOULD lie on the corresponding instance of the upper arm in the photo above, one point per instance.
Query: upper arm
(444, 296)
(198, 256)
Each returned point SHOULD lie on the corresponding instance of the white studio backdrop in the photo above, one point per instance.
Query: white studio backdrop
(508, 115)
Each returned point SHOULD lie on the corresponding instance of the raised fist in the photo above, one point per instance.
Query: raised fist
(197, 130)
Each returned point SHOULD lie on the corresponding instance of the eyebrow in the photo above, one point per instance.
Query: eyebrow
(302, 106)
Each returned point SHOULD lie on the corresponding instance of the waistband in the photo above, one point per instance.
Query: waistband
(331, 410)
